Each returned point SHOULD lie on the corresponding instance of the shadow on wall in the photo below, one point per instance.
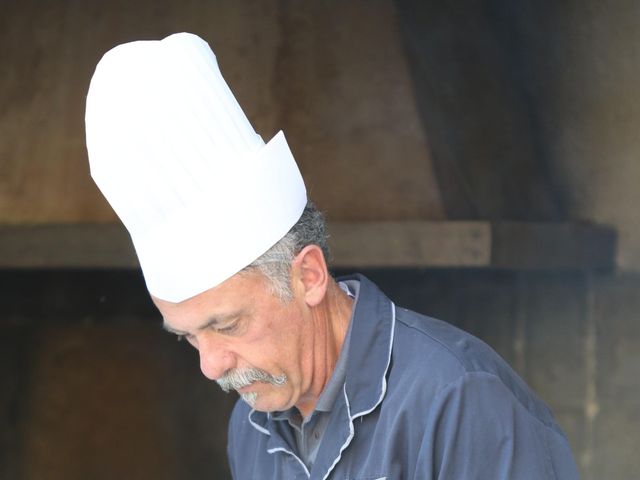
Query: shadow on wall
(93, 388)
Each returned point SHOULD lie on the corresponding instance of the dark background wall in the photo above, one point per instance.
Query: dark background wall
(92, 387)
(401, 110)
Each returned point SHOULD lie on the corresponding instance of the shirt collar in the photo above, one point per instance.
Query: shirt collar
(369, 348)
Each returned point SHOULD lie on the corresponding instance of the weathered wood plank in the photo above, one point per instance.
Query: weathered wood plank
(472, 244)
(411, 244)
(66, 246)
(563, 246)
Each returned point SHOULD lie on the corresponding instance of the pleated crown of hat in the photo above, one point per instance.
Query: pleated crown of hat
(200, 193)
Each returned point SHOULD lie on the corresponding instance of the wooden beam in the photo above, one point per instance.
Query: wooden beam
(410, 244)
(560, 246)
(66, 246)
(455, 244)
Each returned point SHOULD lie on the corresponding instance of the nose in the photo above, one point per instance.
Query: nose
(215, 358)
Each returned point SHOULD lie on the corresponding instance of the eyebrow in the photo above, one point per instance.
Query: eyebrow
(211, 322)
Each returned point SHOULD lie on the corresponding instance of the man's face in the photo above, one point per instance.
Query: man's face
(243, 334)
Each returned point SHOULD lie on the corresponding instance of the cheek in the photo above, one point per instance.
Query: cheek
(276, 343)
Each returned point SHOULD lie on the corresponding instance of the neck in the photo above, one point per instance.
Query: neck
(331, 321)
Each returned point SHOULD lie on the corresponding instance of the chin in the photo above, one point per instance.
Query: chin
(265, 405)
(266, 398)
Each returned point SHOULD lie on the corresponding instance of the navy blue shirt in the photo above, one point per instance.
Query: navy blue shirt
(421, 400)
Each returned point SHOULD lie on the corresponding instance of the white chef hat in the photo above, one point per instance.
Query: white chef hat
(172, 151)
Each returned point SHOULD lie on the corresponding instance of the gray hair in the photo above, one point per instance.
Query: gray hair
(275, 263)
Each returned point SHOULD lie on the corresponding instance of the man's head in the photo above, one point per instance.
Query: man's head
(232, 253)
(255, 332)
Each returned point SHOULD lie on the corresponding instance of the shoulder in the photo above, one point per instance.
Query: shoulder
(423, 340)
(433, 356)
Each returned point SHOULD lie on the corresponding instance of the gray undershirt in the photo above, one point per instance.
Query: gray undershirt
(309, 431)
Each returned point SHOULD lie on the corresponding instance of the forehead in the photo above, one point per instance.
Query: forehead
(234, 295)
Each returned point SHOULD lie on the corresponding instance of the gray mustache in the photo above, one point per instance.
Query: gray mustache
(236, 379)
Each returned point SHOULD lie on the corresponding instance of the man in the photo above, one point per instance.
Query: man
(335, 380)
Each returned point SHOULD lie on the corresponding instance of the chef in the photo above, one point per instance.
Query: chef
(335, 380)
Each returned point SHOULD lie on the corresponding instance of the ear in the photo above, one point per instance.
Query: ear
(312, 274)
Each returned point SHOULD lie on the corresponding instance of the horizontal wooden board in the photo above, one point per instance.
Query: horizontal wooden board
(531, 246)
(454, 244)
(66, 246)
(406, 244)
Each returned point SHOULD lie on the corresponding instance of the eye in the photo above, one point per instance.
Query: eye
(230, 328)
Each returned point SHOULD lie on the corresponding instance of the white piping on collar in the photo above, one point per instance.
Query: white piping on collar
(280, 449)
(348, 440)
(256, 426)
(365, 412)
(386, 368)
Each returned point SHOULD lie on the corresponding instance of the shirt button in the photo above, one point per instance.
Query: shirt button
(316, 435)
